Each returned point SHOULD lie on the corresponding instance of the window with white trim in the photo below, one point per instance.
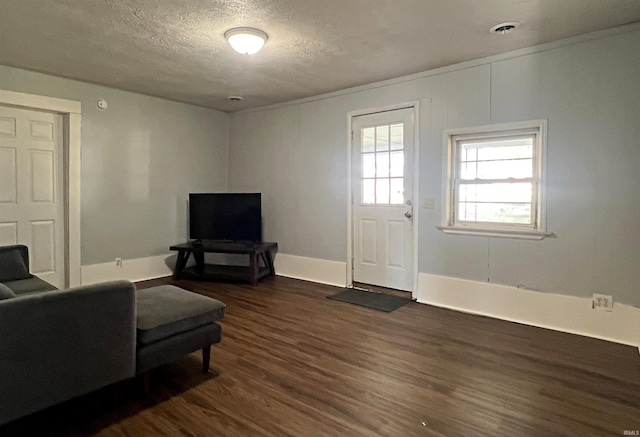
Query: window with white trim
(495, 180)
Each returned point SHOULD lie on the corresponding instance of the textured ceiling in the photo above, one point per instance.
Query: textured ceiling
(175, 48)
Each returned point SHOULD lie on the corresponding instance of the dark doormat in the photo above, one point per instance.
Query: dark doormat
(377, 301)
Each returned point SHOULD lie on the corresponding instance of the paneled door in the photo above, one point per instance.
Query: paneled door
(382, 149)
(31, 189)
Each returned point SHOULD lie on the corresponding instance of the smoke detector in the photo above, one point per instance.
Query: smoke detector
(504, 28)
(235, 98)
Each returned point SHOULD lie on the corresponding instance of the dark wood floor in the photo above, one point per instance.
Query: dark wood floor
(293, 363)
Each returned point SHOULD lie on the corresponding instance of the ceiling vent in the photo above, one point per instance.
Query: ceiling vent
(504, 28)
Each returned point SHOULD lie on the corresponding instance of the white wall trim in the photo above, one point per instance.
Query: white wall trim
(601, 34)
(139, 269)
(311, 269)
(60, 106)
(536, 231)
(72, 119)
(546, 310)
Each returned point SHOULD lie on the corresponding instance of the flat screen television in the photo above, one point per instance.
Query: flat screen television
(225, 216)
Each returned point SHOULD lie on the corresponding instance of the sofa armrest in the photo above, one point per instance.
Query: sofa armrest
(21, 248)
(61, 344)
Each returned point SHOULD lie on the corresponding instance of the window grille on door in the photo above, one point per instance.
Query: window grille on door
(383, 165)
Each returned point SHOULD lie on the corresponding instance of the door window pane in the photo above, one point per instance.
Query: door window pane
(368, 135)
(397, 164)
(382, 165)
(368, 165)
(382, 138)
(397, 137)
(382, 191)
(397, 191)
(368, 191)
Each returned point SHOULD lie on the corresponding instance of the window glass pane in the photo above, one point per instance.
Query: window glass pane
(499, 149)
(463, 214)
(382, 191)
(382, 165)
(495, 212)
(368, 135)
(469, 154)
(490, 153)
(468, 170)
(397, 191)
(368, 165)
(397, 164)
(368, 191)
(518, 168)
(397, 137)
(382, 138)
(520, 192)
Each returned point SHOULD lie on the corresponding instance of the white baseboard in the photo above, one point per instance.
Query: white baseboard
(139, 269)
(291, 266)
(311, 269)
(546, 310)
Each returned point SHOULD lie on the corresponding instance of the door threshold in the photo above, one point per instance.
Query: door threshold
(384, 290)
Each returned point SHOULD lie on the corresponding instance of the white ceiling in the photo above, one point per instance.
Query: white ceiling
(175, 48)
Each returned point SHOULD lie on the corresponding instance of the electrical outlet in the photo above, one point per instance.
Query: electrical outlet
(602, 302)
(118, 262)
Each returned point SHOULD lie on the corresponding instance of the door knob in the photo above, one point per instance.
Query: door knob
(408, 214)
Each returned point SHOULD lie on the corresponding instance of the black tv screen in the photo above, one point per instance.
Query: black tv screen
(225, 216)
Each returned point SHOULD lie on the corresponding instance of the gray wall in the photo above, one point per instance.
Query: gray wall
(140, 159)
(297, 156)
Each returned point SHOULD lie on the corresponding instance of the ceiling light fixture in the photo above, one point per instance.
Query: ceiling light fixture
(504, 28)
(246, 40)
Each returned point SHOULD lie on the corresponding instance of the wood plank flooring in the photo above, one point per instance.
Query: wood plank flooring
(293, 363)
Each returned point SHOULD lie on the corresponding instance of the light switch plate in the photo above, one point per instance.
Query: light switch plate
(429, 203)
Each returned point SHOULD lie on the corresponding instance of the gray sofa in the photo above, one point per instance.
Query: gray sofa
(59, 344)
(14, 271)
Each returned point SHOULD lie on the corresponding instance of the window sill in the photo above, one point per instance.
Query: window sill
(502, 233)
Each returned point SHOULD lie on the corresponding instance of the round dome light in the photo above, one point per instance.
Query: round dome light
(246, 40)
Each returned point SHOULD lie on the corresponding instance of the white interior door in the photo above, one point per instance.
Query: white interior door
(383, 147)
(31, 189)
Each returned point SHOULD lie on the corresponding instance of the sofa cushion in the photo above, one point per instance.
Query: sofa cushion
(5, 292)
(12, 266)
(28, 286)
(168, 310)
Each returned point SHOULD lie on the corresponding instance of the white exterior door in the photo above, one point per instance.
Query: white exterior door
(31, 189)
(383, 147)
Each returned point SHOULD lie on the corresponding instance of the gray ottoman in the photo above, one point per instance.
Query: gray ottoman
(172, 323)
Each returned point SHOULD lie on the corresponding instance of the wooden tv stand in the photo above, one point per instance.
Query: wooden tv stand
(202, 271)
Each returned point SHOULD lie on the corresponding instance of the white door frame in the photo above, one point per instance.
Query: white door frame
(71, 122)
(415, 105)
